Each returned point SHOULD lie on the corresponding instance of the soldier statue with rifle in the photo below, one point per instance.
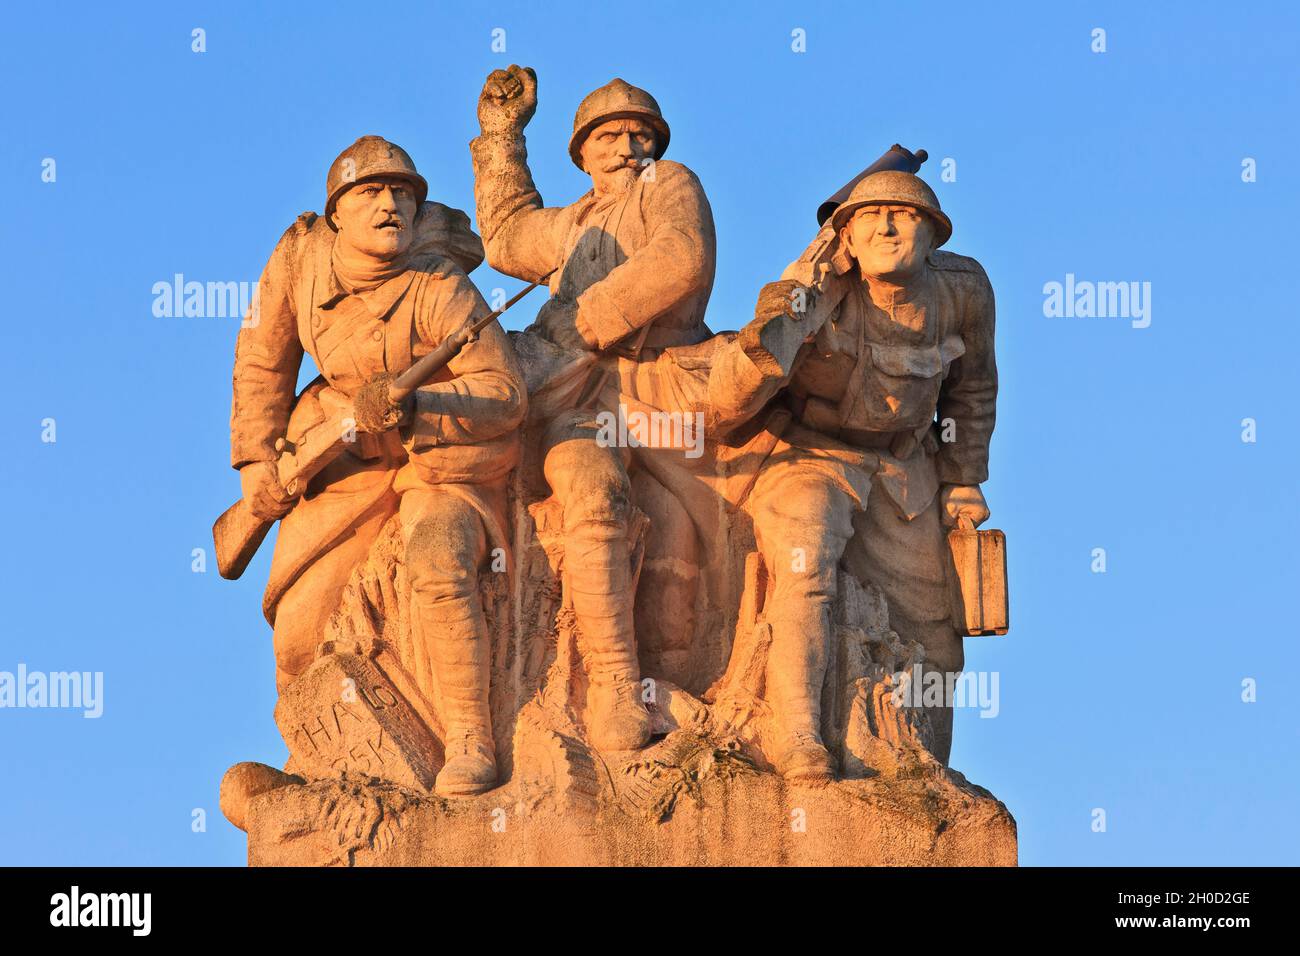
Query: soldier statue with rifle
(415, 413)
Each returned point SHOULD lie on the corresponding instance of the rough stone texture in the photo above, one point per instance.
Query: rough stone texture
(703, 793)
(722, 617)
(681, 803)
(343, 713)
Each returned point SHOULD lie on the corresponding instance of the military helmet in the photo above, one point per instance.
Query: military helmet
(894, 188)
(617, 99)
(370, 157)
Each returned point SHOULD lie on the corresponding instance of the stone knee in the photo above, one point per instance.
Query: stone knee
(296, 635)
(445, 545)
(801, 527)
(305, 608)
(589, 480)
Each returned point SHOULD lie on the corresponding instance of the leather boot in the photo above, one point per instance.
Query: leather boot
(795, 672)
(457, 641)
(599, 579)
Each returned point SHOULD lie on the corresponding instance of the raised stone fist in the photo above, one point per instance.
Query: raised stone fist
(508, 100)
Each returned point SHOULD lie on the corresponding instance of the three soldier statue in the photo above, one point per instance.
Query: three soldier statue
(868, 368)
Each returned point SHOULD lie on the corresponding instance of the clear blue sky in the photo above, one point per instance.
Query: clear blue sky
(1119, 691)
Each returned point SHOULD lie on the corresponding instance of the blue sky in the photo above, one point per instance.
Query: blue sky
(1120, 690)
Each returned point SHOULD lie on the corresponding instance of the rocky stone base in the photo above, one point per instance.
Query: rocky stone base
(680, 803)
(364, 729)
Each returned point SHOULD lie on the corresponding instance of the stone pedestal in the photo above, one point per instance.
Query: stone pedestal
(706, 808)
(365, 735)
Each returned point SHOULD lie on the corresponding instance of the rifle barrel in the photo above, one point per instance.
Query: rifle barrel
(424, 369)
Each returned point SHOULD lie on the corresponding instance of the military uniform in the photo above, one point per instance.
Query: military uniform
(874, 380)
(839, 440)
(638, 266)
(445, 469)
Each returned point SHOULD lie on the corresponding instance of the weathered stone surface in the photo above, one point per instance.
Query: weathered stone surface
(680, 803)
(344, 714)
(704, 792)
(541, 638)
(243, 782)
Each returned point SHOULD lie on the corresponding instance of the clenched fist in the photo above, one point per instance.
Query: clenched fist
(508, 100)
(373, 410)
(963, 501)
(260, 483)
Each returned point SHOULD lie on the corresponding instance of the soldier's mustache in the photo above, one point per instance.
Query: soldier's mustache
(391, 221)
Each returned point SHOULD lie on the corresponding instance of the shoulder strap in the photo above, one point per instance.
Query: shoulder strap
(316, 260)
(857, 379)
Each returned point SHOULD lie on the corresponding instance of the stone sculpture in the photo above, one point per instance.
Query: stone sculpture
(631, 267)
(614, 584)
(357, 291)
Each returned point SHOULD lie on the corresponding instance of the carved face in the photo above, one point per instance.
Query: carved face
(375, 217)
(889, 242)
(615, 153)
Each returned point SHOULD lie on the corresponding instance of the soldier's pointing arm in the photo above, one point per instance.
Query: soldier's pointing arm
(676, 263)
(268, 354)
(969, 394)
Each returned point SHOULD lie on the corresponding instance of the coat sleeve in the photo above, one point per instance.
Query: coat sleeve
(969, 393)
(485, 397)
(523, 238)
(268, 354)
(676, 263)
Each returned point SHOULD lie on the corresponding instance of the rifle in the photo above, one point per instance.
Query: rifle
(318, 433)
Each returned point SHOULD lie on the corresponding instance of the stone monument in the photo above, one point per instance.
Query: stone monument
(613, 590)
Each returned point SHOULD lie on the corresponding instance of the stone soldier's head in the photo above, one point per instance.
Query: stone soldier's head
(617, 132)
(374, 193)
(889, 224)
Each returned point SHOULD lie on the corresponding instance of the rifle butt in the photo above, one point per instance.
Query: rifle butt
(236, 536)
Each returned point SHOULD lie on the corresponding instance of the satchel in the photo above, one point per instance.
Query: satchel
(979, 592)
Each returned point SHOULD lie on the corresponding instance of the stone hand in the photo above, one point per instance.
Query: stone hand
(508, 100)
(373, 410)
(783, 297)
(780, 327)
(558, 322)
(266, 497)
(963, 501)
